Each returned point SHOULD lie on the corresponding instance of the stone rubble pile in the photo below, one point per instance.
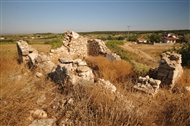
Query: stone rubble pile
(148, 85)
(168, 72)
(97, 47)
(74, 45)
(71, 71)
(170, 68)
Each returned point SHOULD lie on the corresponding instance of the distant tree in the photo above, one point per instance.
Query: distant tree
(185, 51)
(155, 38)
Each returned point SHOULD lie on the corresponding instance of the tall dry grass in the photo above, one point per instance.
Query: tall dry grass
(114, 71)
(19, 89)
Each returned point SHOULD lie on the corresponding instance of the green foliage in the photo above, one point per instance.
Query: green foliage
(55, 43)
(155, 38)
(113, 46)
(185, 51)
(140, 69)
(6, 41)
(133, 37)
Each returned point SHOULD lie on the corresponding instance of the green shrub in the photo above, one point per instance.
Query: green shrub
(56, 43)
(140, 69)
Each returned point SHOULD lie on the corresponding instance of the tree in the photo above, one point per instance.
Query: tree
(155, 38)
(185, 51)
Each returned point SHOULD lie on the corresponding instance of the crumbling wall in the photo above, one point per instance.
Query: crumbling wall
(71, 71)
(24, 50)
(168, 72)
(97, 47)
(170, 68)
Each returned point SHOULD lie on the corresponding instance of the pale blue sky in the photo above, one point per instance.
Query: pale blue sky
(56, 16)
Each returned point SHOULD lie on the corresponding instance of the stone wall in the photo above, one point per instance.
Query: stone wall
(170, 68)
(97, 47)
(24, 50)
(71, 71)
(78, 46)
(167, 73)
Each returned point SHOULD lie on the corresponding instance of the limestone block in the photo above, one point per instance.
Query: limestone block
(83, 69)
(43, 122)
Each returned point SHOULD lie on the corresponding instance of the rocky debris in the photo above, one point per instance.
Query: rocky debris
(148, 85)
(38, 114)
(187, 88)
(71, 71)
(74, 45)
(43, 122)
(38, 74)
(170, 68)
(106, 84)
(65, 122)
(41, 99)
(30, 56)
(97, 47)
(24, 50)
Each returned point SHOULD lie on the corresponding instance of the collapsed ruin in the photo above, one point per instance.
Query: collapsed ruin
(72, 68)
(167, 73)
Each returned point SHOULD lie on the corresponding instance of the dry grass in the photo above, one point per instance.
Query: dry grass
(92, 105)
(152, 50)
(115, 71)
(147, 54)
(19, 89)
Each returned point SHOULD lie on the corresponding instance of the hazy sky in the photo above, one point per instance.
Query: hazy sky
(34, 16)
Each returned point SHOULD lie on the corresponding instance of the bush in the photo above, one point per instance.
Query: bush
(185, 51)
(140, 69)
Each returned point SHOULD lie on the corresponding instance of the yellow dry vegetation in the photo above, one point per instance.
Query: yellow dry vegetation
(20, 89)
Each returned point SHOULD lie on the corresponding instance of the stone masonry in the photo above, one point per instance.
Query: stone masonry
(97, 47)
(71, 71)
(170, 68)
(77, 46)
(168, 72)
(24, 50)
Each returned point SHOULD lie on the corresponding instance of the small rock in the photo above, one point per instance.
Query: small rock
(187, 88)
(65, 60)
(38, 74)
(70, 101)
(83, 69)
(38, 114)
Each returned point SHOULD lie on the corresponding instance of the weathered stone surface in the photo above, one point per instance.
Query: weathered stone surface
(71, 71)
(97, 47)
(106, 84)
(43, 122)
(24, 50)
(38, 114)
(148, 85)
(170, 68)
(38, 74)
(65, 60)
